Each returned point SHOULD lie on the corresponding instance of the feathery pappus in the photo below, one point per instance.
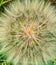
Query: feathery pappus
(28, 32)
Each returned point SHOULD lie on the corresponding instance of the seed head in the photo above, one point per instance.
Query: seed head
(27, 32)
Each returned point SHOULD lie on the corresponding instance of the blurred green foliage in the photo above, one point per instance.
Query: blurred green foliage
(2, 62)
(55, 62)
(2, 2)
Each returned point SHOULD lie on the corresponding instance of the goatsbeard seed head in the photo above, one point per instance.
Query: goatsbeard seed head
(27, 32)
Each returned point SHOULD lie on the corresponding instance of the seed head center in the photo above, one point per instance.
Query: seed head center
(29, 32)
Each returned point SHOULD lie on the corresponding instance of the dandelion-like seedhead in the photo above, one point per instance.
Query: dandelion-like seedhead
(27, 32)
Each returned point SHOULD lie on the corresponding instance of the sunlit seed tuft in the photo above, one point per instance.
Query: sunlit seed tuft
(28, 32)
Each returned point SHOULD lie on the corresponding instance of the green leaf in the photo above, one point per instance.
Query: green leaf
(3, 2)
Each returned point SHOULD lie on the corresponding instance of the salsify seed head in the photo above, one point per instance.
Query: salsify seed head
(27, 32)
